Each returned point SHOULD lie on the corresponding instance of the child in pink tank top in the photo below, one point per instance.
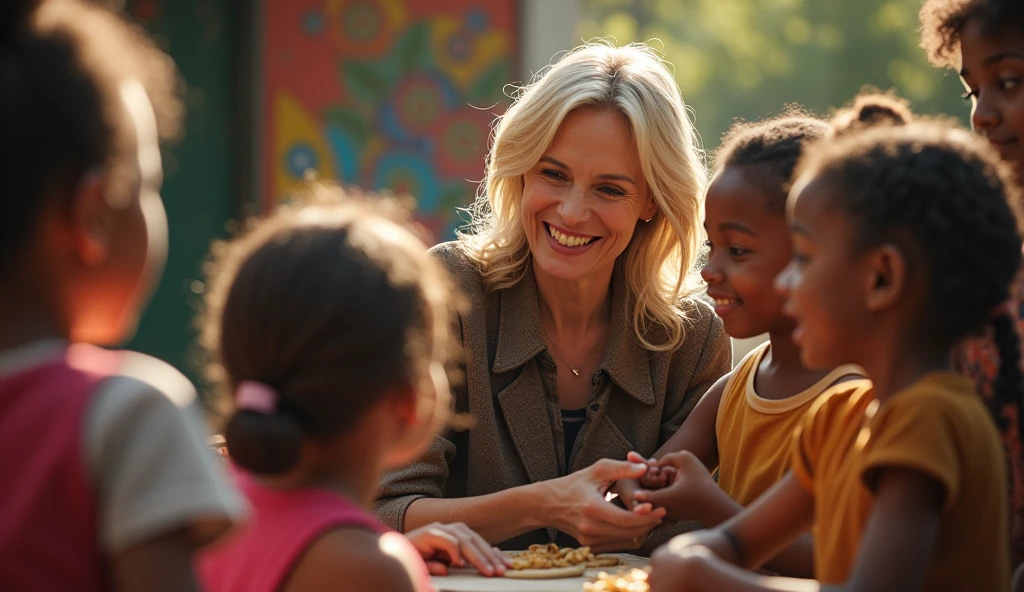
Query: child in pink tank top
(329, 324)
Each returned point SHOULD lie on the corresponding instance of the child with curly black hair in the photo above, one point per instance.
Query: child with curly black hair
(904, 242)
(983, 40)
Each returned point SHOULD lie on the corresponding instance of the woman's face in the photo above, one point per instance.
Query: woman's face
(583, 199)
(992, 71)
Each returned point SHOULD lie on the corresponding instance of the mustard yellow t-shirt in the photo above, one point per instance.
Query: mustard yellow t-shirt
(754, 433)
(938, 426)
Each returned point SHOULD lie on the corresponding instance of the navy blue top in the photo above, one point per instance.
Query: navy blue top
(572, 421)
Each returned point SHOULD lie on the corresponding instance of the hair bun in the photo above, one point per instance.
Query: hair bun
(263, 444)
(14, 14)
(872, 109)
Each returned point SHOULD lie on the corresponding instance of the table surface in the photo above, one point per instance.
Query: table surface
(470, 581)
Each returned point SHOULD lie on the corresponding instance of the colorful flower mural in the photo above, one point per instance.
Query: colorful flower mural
(385, 94)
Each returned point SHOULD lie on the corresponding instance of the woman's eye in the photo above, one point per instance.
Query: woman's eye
(738, 251)
(611, 190)
(553, 174)
(800, 258)
(1009, 83)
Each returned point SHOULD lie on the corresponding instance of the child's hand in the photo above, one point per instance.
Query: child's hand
(442, 545)
(680, 567)
(688, 487)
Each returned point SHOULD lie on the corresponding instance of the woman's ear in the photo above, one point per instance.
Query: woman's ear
(886, 278)
(91, 219)
(650, 209)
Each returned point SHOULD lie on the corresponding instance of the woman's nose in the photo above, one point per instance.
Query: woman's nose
(573, 208)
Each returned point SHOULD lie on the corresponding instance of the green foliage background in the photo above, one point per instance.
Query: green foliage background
(746, 59)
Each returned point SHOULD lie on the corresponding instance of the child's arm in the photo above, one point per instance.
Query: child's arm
(895, 550)
(170, 556)
(456, 544)
(694, 495)
(351, 559)
(696, 435)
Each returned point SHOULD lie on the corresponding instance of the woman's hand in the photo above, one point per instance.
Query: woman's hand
(442, 545)
(576, 505)
(690, 492)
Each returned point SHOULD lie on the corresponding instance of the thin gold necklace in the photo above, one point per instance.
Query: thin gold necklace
(575, 371)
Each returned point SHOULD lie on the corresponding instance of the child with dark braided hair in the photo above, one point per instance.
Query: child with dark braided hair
(904, 242)
(984, 41)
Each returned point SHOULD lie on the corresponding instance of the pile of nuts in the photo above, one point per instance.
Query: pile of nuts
(634, 580)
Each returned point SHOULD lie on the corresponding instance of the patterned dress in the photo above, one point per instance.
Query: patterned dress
(979, 360)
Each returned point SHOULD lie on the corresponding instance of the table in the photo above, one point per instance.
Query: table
(468, 580)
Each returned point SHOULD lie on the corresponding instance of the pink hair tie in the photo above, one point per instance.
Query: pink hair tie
(255, 396)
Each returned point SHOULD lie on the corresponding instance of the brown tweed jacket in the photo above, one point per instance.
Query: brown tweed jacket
(639, 399)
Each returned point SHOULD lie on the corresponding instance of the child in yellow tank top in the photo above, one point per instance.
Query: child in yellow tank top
(744, 424)
(755, 433)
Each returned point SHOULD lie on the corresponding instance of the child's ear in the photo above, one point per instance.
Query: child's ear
(887, 277)
(407, 404)
(91, 219)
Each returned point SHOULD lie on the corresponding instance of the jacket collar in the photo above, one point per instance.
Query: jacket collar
(520, 340)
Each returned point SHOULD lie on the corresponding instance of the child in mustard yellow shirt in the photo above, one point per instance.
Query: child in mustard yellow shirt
(904, 242)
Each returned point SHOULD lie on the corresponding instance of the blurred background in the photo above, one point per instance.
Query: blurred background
(399, 95)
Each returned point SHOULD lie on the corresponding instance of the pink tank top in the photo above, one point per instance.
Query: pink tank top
(48, 537)
(283, 524)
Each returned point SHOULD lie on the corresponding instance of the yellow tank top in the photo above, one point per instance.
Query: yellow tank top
(755, 435)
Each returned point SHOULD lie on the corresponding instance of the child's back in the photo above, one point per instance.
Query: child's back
(86, 483)
(108, 484)
(285, 524)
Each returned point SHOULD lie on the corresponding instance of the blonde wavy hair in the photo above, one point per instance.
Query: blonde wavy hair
(659, 261)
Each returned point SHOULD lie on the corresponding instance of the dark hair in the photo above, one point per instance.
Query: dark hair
(771, 149)
(942, 22)
(946, 199)
(61, 66)
(871, 109)
(331, 304)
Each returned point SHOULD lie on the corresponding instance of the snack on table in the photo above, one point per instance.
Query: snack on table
(634, 580)
(551, 561)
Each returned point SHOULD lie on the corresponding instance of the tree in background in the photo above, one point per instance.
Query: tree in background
(746, 59)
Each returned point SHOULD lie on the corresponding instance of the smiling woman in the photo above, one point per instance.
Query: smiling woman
(582, 339)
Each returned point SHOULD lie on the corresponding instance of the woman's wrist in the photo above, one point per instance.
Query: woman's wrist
(537, 502)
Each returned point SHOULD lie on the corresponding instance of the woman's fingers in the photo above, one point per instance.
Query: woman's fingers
(436, 568)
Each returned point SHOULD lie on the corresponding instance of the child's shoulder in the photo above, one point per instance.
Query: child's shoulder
(358, 559)
(846, 396)
(144, 377)
(145, 437)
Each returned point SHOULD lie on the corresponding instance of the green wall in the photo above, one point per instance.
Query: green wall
(199, 169)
